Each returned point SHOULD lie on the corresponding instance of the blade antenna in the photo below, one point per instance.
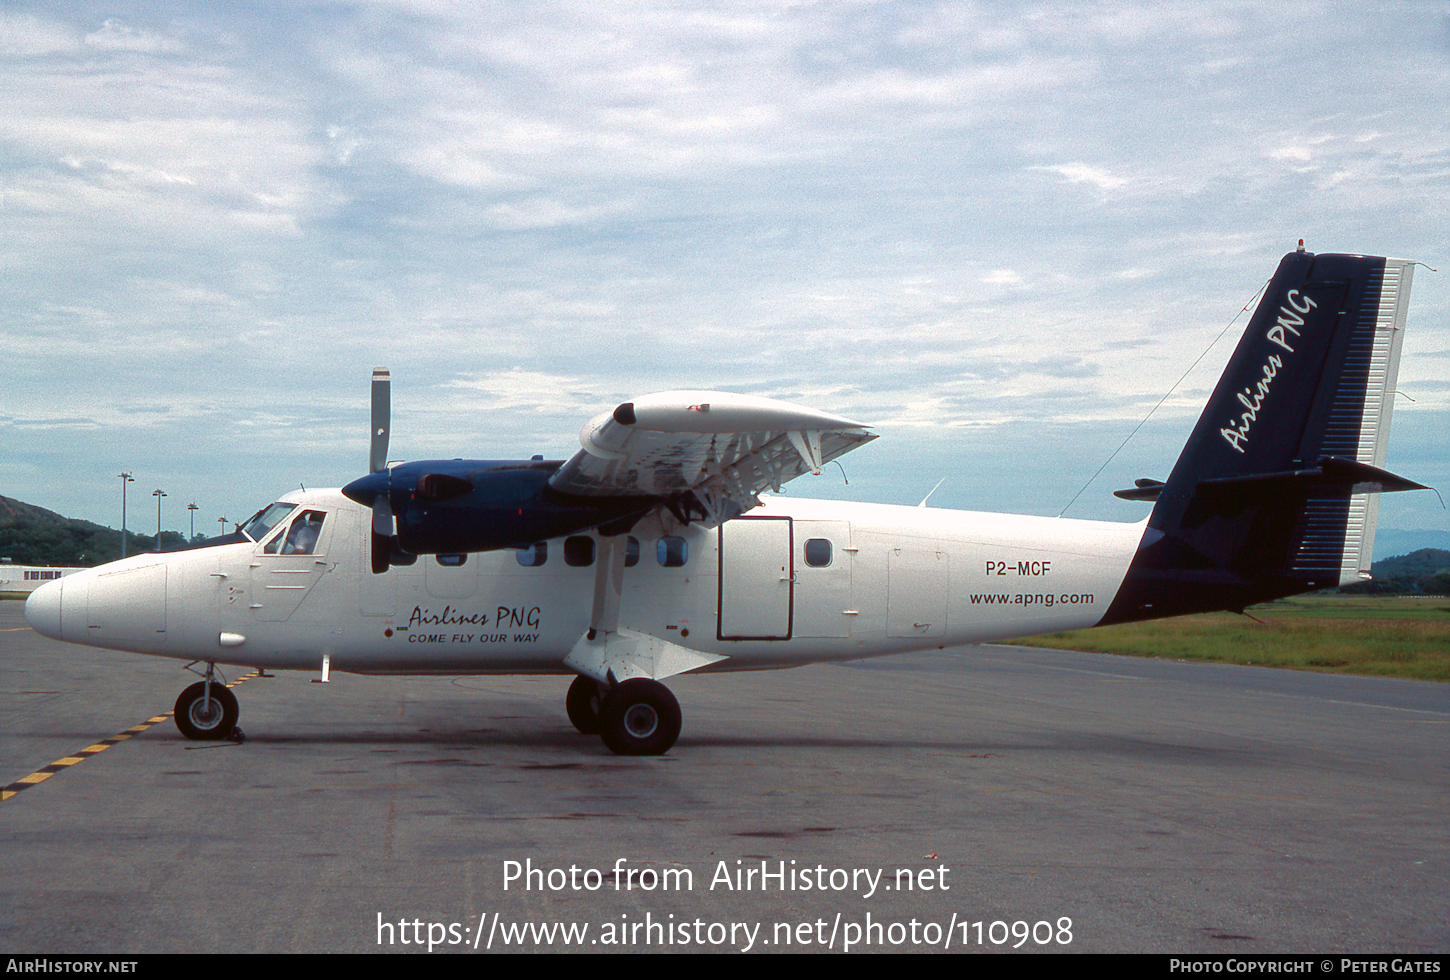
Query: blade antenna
(931, 491)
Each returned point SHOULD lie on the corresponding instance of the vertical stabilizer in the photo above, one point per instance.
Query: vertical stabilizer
(1273, 494)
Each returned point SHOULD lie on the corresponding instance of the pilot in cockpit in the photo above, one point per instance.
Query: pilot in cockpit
(302, 536)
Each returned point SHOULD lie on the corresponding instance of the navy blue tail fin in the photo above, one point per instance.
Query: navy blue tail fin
(1274, 494)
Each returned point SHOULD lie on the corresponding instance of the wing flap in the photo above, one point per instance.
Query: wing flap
(722, 448)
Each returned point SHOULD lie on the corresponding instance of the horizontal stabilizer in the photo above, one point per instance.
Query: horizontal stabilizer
(1144, 489)
(1331, 474)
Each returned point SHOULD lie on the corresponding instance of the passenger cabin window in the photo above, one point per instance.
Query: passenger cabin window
(671, 551)
(631, 551)
(578, 551)
(818, 552)
(534, 555)
(453, 560)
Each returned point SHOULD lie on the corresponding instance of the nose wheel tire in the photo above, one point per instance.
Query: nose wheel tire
(583, 703)
(639, 717)
(205, 721)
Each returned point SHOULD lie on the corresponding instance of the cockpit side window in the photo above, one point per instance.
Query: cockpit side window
(303, 534)
(300, 538)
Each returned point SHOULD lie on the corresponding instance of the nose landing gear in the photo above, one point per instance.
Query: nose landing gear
(207, 711)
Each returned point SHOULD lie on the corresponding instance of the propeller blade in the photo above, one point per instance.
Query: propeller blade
(382, 516)
(382, 536)
(382, 533)
(382, 411)
(381, 547)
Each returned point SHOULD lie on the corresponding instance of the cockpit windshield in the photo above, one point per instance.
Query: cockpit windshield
(266, 519)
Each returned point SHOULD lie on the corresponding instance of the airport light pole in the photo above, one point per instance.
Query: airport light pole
(158, 495)
(125, 479)
(193, 508)
(223, 522)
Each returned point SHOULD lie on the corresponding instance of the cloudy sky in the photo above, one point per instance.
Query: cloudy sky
(999, 232)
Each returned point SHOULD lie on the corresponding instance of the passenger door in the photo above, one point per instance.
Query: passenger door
(756, 579)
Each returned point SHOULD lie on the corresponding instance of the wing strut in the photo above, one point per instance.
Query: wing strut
(608, 586)
(808, 443)
(610, 653)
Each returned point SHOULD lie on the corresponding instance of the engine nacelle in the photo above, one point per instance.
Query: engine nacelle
(461, 505)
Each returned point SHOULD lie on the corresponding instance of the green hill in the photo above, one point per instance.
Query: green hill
(1423, 572)
(31, 535)
(1420, 573)
(1417, 564)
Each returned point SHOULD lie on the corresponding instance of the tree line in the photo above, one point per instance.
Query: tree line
(31, 535)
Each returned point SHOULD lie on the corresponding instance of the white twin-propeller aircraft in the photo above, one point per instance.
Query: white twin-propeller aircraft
(651, 552)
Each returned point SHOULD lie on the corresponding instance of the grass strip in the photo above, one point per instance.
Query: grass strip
(1383, 636)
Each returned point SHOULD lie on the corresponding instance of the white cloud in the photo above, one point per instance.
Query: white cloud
(117, 35)
(939, 217)
(28, 36)
(1081, 173)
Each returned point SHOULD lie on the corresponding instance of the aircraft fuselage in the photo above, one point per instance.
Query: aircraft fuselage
(663, 558)
(793, 582)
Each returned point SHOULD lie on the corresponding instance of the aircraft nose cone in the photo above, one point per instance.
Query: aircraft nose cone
(42, 609)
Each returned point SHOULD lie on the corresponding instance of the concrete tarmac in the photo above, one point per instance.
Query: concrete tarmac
(980, 798)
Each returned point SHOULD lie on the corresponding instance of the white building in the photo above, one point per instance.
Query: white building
(18, 581)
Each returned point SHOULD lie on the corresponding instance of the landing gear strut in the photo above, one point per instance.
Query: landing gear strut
(207, 715)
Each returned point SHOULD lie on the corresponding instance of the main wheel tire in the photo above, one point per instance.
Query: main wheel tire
(197, 722)
(583, 703)
(640, 717)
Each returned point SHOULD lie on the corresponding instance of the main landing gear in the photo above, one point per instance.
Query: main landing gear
(635, 717)
(207, 711)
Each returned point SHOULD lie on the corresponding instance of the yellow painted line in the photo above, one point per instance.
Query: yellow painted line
(45, 772)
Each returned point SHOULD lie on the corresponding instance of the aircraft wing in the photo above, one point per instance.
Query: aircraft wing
(708, 448)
